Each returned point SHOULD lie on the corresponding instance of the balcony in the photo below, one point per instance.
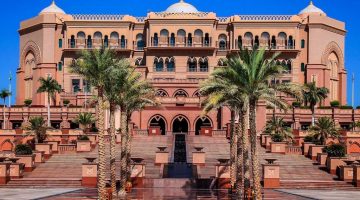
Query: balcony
(180, 42)
(279, 45)
(116, 44)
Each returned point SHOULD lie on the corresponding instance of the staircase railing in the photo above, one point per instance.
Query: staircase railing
(139, 132)
(219, 133)
(295, 150)
(66, 148)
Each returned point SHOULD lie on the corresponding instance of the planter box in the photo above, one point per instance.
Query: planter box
(92, 139)
(4, 173)
(267, 142)
(28, 161)
(65, 131)
(314, 150)
(278, 147)
(207, 131)
(346, 173)
(321, 158)
(83, 146)
(54, 147)
(154, 131)
(161, 157)
(19, 131)
(271, 175)
(39, 156)
(306, 146)
(16, 170)
(46, 148)
(356, 175)
(89, 175)
(262, 139)
(332, 164)
(198, 158)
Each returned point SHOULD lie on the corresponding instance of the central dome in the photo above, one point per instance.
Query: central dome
(181, 7)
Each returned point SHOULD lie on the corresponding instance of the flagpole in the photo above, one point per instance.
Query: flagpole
(10, 78)
(353, 90)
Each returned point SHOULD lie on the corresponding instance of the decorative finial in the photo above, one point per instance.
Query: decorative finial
(181, 1)
(311, 2)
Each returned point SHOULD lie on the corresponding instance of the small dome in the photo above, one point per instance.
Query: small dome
(181, 7)
(53, 8)
(312, 9)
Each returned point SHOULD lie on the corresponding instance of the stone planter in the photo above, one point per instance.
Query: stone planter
(278, 147)
(356, 175)
(161, 156)
(92, 139)
(28, 161)
(314, 150)
(332, 164)
(83, 146)
(89, 175)
(267, 142)
(223, 176)
(39, 156)
(347, 173)
(46, 148)
(306, 146)
(271, 175)
(154, 131)
(262, 139)
(207, 131)
(54, 147)
(16, 170)
(4, 173)
(198, 157)
(65, 131)
(19, 131)
(137, 175)
(321, 158)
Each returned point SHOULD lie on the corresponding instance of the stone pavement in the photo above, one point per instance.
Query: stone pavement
(324, 194)
(28, 194)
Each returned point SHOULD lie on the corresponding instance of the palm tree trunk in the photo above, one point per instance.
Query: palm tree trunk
(128, 149)
(48, 111)
(245, 146)
(239, 184)
(254, 154)
(312, 115)
(112, 150)
(233, 147)
(102, 159)
(123, 164)
(4, 121)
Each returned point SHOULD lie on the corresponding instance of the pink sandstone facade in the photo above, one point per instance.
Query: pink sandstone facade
(175, 50)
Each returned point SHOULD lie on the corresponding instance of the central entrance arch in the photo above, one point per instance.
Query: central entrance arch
(180, 124)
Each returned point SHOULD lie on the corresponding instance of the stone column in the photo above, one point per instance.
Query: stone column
(89, 174)
(356, 175)
(137, 175)
(271, 175)
(4, 173)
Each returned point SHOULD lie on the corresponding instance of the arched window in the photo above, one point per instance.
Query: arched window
(97, 39)
(265, 39)
(164, 36)
(89, 42)
(97, 35)
(123, 42)
(80, 35)
(273, 42)
(189, 40)
(106, 41)
(198, 35)
(192, 65)
(156, 40)
(282, 39)
(207, 39)
(140, 41)
(239, 42)
(196, 94)
(181, 34)
(291, 42)
(139, 61)
(170, 64)
(203, 63)
(180, 93)
(161, 93)
(158, 121)
(222, 42)
(80, 40)
(159, 64)
(256, 42)
(114, 39)
(72, 42)
(333, 65)
(248, 39)
(172, 39)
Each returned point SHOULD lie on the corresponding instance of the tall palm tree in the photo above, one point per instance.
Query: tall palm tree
(219, 92)
(250, 72)
(51, 87)
(323, 129)
(4, 93)
(277, 126)
(112, 92)
(37, 126)
(314, 95)
(95, 67)
(84, 119)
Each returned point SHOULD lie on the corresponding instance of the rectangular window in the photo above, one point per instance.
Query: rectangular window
(302, 67)
(60, 43)
(76, 85)
(60, 66)
(302, 44)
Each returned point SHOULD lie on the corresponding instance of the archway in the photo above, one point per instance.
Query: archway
(158, 122)
(202, 122)
(180, 125)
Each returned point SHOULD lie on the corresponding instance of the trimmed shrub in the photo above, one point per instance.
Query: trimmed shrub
(27, 102)
(335, 103)
(94, 129)
(335, 150)
(277, 138)
(346, 107)
(312, 139)
(325, 107)
(23, 149)
(66, 102)
(83, 138)
(296, 104)
(358, 107)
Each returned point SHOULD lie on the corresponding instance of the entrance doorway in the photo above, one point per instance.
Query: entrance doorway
(180, 125)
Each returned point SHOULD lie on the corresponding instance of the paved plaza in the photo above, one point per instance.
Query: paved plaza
(171, 193)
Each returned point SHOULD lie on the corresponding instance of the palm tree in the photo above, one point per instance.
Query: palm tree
(220, 93)
(95, 67)
(51, 87)
(84, 119)
(37, 126)
(314, 95)
(323, 129)
(277, 126)
(250, 72)
(4, 94)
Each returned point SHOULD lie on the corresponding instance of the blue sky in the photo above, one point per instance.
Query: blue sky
(14, 11)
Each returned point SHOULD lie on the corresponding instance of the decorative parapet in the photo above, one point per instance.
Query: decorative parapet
(141, 19)
(223, 19)
(265, 17)
(197, 14)
(96, 17)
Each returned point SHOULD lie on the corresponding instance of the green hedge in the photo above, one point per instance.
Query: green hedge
(335, 150)
(23, 149)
